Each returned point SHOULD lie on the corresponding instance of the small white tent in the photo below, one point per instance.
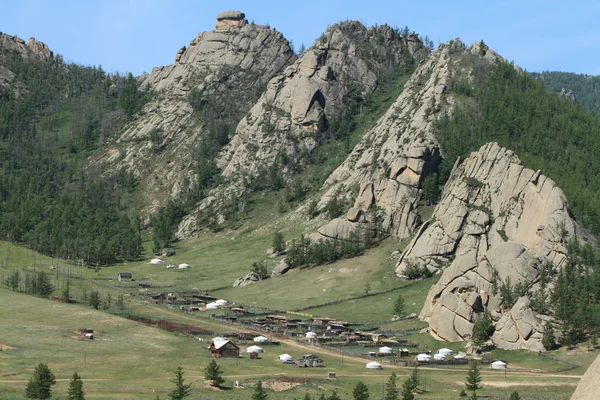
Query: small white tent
(156, 261)
(439, 357)
(184, 266)
(374, 365)
(285, 357)
(423, 357)
(385, 350)
(221, 302)
(254, 349)
(445, 352)
(212, 306)
(170, 266)
(311, 335)
(498, 365)
(261, 339)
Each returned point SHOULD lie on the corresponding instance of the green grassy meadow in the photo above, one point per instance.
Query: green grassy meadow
(132, 361)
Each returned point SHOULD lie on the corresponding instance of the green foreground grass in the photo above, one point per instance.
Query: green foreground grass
(132, 361)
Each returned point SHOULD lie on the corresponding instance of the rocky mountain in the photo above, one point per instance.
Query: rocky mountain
(498, 223)
(226, 70)
(293, 116)
(30, 49)
(299, 103)
(389, 164)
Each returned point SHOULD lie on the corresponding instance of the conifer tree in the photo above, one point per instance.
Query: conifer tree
(94, 299)
(259, 392)
(182, 390)
(391, 390)
(40, 384)
(473, 378)
(278, 242)
(66, 293)
(214, 374)
(407, 389)
(360, 391)
(399, 305)
(75, 390)
(334, 396)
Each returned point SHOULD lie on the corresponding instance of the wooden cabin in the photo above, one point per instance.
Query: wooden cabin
(223, 348)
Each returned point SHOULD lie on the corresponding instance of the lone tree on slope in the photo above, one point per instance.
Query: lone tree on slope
(39, 385)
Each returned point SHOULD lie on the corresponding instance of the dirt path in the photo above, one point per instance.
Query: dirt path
(310, 348)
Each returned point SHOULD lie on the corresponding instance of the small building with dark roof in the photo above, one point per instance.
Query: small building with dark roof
(124, 276)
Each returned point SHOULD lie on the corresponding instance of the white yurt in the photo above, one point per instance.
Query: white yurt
(423, 357)
(212, 306)
(222, 302)
(170, 266)
(439, 357)
(374, 365)
(184, 266)
(498, 365)
(260, 339)
(311, 335)
(445, 352)
(254, 349)
(285, 357)
(385, 350)
(459, 357)
(156, 261)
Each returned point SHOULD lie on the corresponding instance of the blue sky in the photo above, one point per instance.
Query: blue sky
(136, 35)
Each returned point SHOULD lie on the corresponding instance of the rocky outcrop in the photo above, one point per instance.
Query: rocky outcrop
(280, 268)
(224, 69)
(588, 387)
(498, 222)
(33, 49)
(392, 159)
(519, 328)
(296, 108)
(251, 277)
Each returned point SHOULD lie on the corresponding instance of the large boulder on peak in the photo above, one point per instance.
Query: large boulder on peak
(226, 72)
(227, 20)
(497, 223)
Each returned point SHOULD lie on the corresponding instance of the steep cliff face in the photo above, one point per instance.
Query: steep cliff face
(292, 116)
(392, 159)
(227, 69)
(294, 112)
(9, 83)
(497, 223)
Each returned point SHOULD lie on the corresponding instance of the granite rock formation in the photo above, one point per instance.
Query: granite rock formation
(498, 222)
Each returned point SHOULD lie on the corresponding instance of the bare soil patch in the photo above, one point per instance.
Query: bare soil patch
(171, 326)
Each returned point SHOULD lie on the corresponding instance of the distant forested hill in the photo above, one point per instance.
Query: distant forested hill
(49, 200)
(584, 88)
(548, 132)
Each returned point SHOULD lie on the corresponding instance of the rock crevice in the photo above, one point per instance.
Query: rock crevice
(493, 226)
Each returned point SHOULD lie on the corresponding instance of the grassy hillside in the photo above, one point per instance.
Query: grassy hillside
(132, 361)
